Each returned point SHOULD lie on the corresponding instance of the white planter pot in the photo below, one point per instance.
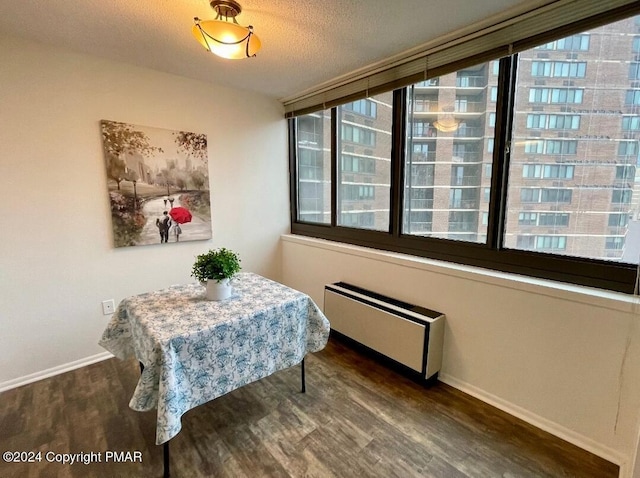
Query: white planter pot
(218, 290)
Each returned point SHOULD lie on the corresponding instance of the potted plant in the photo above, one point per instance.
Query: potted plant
(214, 269)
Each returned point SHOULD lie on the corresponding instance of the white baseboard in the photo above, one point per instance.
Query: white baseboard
(50, 372)
(548, 426)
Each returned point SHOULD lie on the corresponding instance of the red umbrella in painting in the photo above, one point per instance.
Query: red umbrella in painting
(180, 214)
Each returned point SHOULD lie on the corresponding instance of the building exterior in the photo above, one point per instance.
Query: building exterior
(572, 186)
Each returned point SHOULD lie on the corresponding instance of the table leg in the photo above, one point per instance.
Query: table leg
(165, 448)
(304, 388)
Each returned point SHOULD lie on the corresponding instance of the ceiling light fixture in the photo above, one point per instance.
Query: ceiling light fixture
(223, 36)
(446, 123)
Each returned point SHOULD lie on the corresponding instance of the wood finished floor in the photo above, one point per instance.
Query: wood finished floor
(357, 419)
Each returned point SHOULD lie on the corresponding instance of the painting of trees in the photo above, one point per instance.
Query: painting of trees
(149, 171)
(121, 138)
(193, 144)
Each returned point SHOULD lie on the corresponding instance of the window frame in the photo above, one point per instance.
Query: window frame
(615, 276)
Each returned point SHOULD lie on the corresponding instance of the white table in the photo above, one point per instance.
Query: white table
(193, 350)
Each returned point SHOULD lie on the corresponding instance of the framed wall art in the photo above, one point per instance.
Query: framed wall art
(158, 184)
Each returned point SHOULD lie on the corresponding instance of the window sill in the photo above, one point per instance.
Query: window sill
(561, 290)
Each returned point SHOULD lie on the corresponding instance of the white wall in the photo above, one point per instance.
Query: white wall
(564, 358)
(567, 360)
(57, 262)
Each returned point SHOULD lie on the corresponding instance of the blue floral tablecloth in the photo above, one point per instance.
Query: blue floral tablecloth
(194, 350)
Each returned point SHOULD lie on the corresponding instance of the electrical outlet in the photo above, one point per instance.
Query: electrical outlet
(108, 307)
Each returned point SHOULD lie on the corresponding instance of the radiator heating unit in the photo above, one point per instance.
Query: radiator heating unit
(406, 333)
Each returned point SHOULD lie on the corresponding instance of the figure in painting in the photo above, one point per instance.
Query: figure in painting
(164, 224)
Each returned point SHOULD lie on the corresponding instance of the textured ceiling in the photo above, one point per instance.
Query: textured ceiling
(305, 42)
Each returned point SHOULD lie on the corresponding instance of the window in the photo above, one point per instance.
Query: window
(556, 95)
(550, 219)
(551, 242)
(631, 123)
(358, 219)
(564, 122)
(530, 195)
(628, 148)
(560, 147)
(560, 205)
(314, 167)
(423, 129)
(545, 195)
(421, 198)
(553, 219)
(364, 177)
(355, 164)
(364, 107)
(574, 42)
(614, 243)
(621, 196)
(547, 171)
(419, 222)
(357, 134)
(421, 148)
(558, 171)
(632, 97)
(543, 121)
(527, 219)
(555, 195)
(559, 69)
(590, 179)
(618, 220)
(550, 146)
(356, 192)
(460, 105)
(463, 222)
(463, 198)
(422, 175)
(625, 173)
(472, 77)
(532, 171)
(526, 242)
(542, 243)
(435, 187)
(311, 164)
(534, 146)
(457, 175)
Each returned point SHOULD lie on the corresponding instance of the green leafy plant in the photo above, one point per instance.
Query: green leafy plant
(217, 264)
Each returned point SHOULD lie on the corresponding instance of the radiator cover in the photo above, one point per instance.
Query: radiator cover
(406, 333)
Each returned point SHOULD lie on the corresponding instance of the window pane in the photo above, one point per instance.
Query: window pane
(572, 179)
(314, 167)
(364, 163)
(447, 167)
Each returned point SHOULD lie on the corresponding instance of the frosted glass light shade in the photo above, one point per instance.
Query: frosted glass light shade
(227, 39)
(446, 124)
